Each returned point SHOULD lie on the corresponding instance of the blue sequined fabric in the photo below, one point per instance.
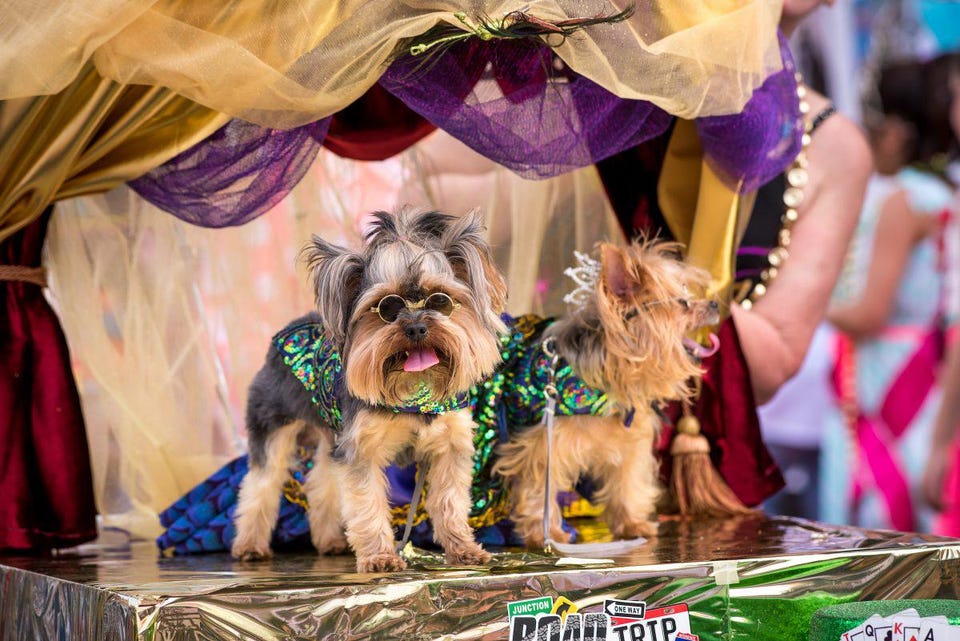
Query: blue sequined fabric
(202, 520)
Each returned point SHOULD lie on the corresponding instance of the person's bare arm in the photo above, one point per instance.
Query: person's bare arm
(898, 230)
(946, 423)
(777, 331)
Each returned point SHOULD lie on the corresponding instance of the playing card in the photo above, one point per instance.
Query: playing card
(853, 634)
(857, 633)
(934, 629)
(906, 628)
(906, 625)
(878, 628)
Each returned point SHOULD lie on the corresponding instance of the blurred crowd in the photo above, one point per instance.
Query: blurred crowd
(865, 432)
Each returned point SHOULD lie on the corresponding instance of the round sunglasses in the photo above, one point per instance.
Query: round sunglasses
(390, 306)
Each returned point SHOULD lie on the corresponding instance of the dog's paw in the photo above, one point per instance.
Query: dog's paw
(250, 552)
(559, 535)
(331, 546)
(468, 555)
(530, 532)
(334, 549)
(538, 543)
(636, 529)
(385, 562)
(533, 540)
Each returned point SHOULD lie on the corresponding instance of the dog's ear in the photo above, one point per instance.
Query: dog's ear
(337, 274)
(615, 271)
(469, 255)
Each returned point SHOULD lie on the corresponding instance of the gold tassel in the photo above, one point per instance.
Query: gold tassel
(697, 487)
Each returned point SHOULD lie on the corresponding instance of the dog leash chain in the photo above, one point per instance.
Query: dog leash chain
(549, 412)
(414, 504)
(549, 545)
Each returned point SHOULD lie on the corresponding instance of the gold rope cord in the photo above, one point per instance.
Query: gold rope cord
(20, 273)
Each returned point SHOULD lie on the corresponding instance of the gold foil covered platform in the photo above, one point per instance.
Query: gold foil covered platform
(743, 578)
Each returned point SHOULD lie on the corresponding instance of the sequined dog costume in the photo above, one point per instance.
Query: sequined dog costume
(506, 404)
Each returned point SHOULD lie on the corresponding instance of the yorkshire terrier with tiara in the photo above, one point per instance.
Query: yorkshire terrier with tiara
(623, 348)
(406, 327)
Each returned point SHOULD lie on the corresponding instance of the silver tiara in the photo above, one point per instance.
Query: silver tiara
(585, 276)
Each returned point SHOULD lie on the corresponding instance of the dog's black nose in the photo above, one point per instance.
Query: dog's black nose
(416, 332)
(714, 305)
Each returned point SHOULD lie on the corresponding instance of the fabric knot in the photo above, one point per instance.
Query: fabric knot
(24, 274)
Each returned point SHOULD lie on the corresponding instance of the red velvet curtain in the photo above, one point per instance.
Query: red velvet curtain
(46, 487)
(375, 127)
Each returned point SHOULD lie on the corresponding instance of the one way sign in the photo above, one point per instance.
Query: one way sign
(658, 624)
(624, 612)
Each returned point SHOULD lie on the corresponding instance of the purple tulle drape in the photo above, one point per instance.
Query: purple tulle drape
(517, 104)
(235, 175)
(513, 101)
(748, 149)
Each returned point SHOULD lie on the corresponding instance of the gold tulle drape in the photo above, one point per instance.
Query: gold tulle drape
(90, 137)
(283, 64)
(168, 322)
(534, 225)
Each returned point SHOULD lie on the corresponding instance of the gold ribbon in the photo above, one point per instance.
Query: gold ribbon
(702, 212)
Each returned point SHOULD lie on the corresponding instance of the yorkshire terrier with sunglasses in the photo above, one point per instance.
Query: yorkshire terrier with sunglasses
(622, 349)
(406, 327)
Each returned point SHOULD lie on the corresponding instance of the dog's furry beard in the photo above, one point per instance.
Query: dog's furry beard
(375, 352)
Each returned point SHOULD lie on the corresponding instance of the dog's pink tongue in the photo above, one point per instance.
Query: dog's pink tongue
(701, 351)
(420, 359)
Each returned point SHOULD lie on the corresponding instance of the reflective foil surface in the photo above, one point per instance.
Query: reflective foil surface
(744, 578)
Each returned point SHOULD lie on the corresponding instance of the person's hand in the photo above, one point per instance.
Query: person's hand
(934, 474)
